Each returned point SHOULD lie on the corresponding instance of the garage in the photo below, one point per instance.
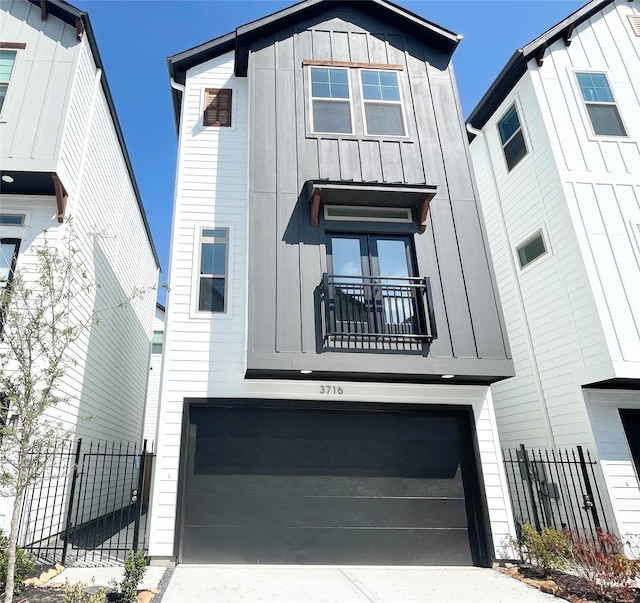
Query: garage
(374, 484)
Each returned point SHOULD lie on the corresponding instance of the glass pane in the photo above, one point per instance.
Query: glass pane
(346, 257)
(331, 117)
(213, 259)
(595, 87)
(606, 120)
(392, 258)
(7, 251)
(531, 250)
(515, 150)
(384, 119)
(321, 90)
(7, 58)
(509, 124)
(319, 74)
(370, 77)
(218, 233)
(211, 298)
(372, 213)
(3, 93)
(329, 83)
(339, 91)
(11, 219)
(338, 76)
(158, 336)
(390, 93)
(371, 92)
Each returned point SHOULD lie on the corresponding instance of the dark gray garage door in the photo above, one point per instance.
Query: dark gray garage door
(325, 487)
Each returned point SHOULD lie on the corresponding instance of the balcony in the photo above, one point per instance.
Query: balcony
(375, 312)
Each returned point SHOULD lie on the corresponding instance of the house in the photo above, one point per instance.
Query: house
(65, 171)
(555, 148)
(332, 322)
(153, 384)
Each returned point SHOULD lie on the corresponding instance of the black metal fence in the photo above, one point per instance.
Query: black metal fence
(89, 508)
(554, 489)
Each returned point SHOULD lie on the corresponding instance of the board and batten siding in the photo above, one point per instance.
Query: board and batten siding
(32, 119)
(601, 174)
(205, 356)
(287, 254)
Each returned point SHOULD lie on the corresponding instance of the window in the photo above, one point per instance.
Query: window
(11, 220)
(156, 342)
(512, 138)
(8, 258)
(330, 100)
(600, 104)
(212, 278)
(531, 249)
(368, 214)
(382, 103)
(217, 107)
(7, 59)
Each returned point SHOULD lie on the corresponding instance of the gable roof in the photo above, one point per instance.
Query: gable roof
(517, 65)
(241, 39)
(80, 20)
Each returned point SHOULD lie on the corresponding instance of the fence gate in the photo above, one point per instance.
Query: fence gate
(89, 508)
(554, 489)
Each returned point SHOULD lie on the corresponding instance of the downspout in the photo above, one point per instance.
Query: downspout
(503, 225)
(176, 86)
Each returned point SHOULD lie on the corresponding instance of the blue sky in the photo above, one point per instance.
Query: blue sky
(136, 36)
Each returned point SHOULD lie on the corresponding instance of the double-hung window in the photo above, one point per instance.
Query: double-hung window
(382, 103)
(512, 138)
(7, 60)
(213, 270)
(330, 100)
(600, 104)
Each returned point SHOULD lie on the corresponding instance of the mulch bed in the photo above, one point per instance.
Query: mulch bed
(566, 586)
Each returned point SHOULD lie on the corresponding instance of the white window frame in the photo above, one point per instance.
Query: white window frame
(364, 102)
(512, 105)
(540, 232)
(197, 256)
(585, 103)
(8, 82)
(333, 100)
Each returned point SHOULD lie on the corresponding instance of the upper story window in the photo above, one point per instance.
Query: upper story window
(533, 248)
(217, 107)
(330, 100)
(382, 103)
(213, 270)
(512, 138)
(600, 104)
(7, 60)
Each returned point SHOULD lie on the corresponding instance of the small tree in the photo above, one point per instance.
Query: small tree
(41, 322)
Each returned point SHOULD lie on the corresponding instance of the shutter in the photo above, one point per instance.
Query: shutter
(217, 107)
(635, 23)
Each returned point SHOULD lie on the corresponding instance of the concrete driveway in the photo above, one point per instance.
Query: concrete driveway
(321, 584)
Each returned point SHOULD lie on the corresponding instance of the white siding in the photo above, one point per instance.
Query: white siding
(30, 123)
(153, 386)
(620, 475)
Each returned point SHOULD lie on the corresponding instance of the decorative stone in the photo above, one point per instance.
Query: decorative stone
(145, 596)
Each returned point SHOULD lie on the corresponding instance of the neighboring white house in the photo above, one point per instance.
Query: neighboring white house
(304, 418)
(153, 385)
(65, 170)
(556, 153)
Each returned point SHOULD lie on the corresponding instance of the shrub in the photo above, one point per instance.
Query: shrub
(74, 593)
(548, 549)
(601, 562)
(25, 564)
(135, 566)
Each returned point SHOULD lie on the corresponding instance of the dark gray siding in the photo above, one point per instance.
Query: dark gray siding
(287, 255)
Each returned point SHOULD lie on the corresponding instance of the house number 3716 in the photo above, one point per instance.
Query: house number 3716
(331, 389)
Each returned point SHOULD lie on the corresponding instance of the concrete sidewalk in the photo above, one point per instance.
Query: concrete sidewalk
(313, 584)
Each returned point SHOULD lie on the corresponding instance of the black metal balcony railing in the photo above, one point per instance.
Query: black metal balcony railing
(377, 308)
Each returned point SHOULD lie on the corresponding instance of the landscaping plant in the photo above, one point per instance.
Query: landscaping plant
(74, 593)
(548, 549)
(24, 565)
(135, 565)
(599, 559)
